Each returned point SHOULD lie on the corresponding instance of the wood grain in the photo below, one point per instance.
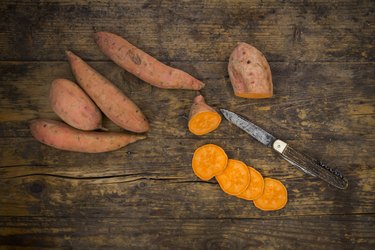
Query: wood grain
(310, 232)
(191, 30)
(134, 195)
(312, 100)
(146, 195)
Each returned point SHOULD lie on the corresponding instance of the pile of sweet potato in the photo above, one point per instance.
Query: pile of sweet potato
(81, 106)
(237, 179)
(251, 77)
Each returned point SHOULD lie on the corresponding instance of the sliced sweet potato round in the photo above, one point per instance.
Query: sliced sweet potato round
(255, 188)
(274, 197)
(235, 178)
(209, 160)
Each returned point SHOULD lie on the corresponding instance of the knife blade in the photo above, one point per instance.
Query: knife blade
(300, 160)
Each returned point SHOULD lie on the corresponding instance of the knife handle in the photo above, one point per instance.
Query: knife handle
(310, 165)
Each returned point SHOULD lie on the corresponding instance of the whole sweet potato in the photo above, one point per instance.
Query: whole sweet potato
(144, 66)
(61, 136)
(110, 99)
(73, 106)
(249, 72)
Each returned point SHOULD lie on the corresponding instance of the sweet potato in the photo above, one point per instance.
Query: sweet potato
(255, 189)
(61, 136)
(143, 65)
(235, 177)
(203, 118)
(249, 72)
(114, 104)
(209, 160)
(73, 106)
(274, 197)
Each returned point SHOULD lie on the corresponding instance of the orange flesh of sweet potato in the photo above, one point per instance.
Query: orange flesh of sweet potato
(203, 119)
(61, 136)
(249, 72)
(255, 189)
(111, 100)
(274, 196)
(209, 160)
(143, 65)
(235, 178)
(73, 106)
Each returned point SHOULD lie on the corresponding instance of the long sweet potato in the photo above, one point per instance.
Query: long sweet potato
(61, 136)
(73, 106)
(203, 119)
(111, 100)
(249, 72)
(143, 65)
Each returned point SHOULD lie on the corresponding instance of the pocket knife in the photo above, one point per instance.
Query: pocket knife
(302, 161)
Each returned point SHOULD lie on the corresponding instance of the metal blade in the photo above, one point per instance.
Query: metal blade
(256, 132)
(297, 159)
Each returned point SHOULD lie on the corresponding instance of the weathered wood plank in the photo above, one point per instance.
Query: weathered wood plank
(170, 189)
(330, 117)
(146, 195)
(28, 156)
(327, 232)
(312, 100)
(191, 30)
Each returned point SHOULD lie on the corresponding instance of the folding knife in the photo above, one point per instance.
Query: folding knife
(304, 162)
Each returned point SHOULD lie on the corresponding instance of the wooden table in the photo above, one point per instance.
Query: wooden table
(146, 195)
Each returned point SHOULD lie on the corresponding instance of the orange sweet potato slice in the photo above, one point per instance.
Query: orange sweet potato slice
(255, 189)
(203, 119)
(209, 160)
(235, 178)
(274, 197)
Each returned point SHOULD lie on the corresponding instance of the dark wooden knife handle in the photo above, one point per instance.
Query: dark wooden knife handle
(312, 166)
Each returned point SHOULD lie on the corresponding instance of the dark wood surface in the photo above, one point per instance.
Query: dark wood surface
(146, 195)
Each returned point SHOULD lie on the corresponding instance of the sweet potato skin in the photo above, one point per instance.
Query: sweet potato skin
(249, 72)
(61, 136)
(73, 106)
(111, 100)
(143, 65)
(199, 105)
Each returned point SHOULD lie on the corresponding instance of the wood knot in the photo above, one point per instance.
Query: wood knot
(36, 187)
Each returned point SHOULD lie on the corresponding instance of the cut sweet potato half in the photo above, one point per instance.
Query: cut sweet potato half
(274, 197)
(235, 178)
(203, 119)
(209, 160)
(255, 188)
(249, 72)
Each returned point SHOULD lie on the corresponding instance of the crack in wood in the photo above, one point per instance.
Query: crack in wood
(95, 177)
